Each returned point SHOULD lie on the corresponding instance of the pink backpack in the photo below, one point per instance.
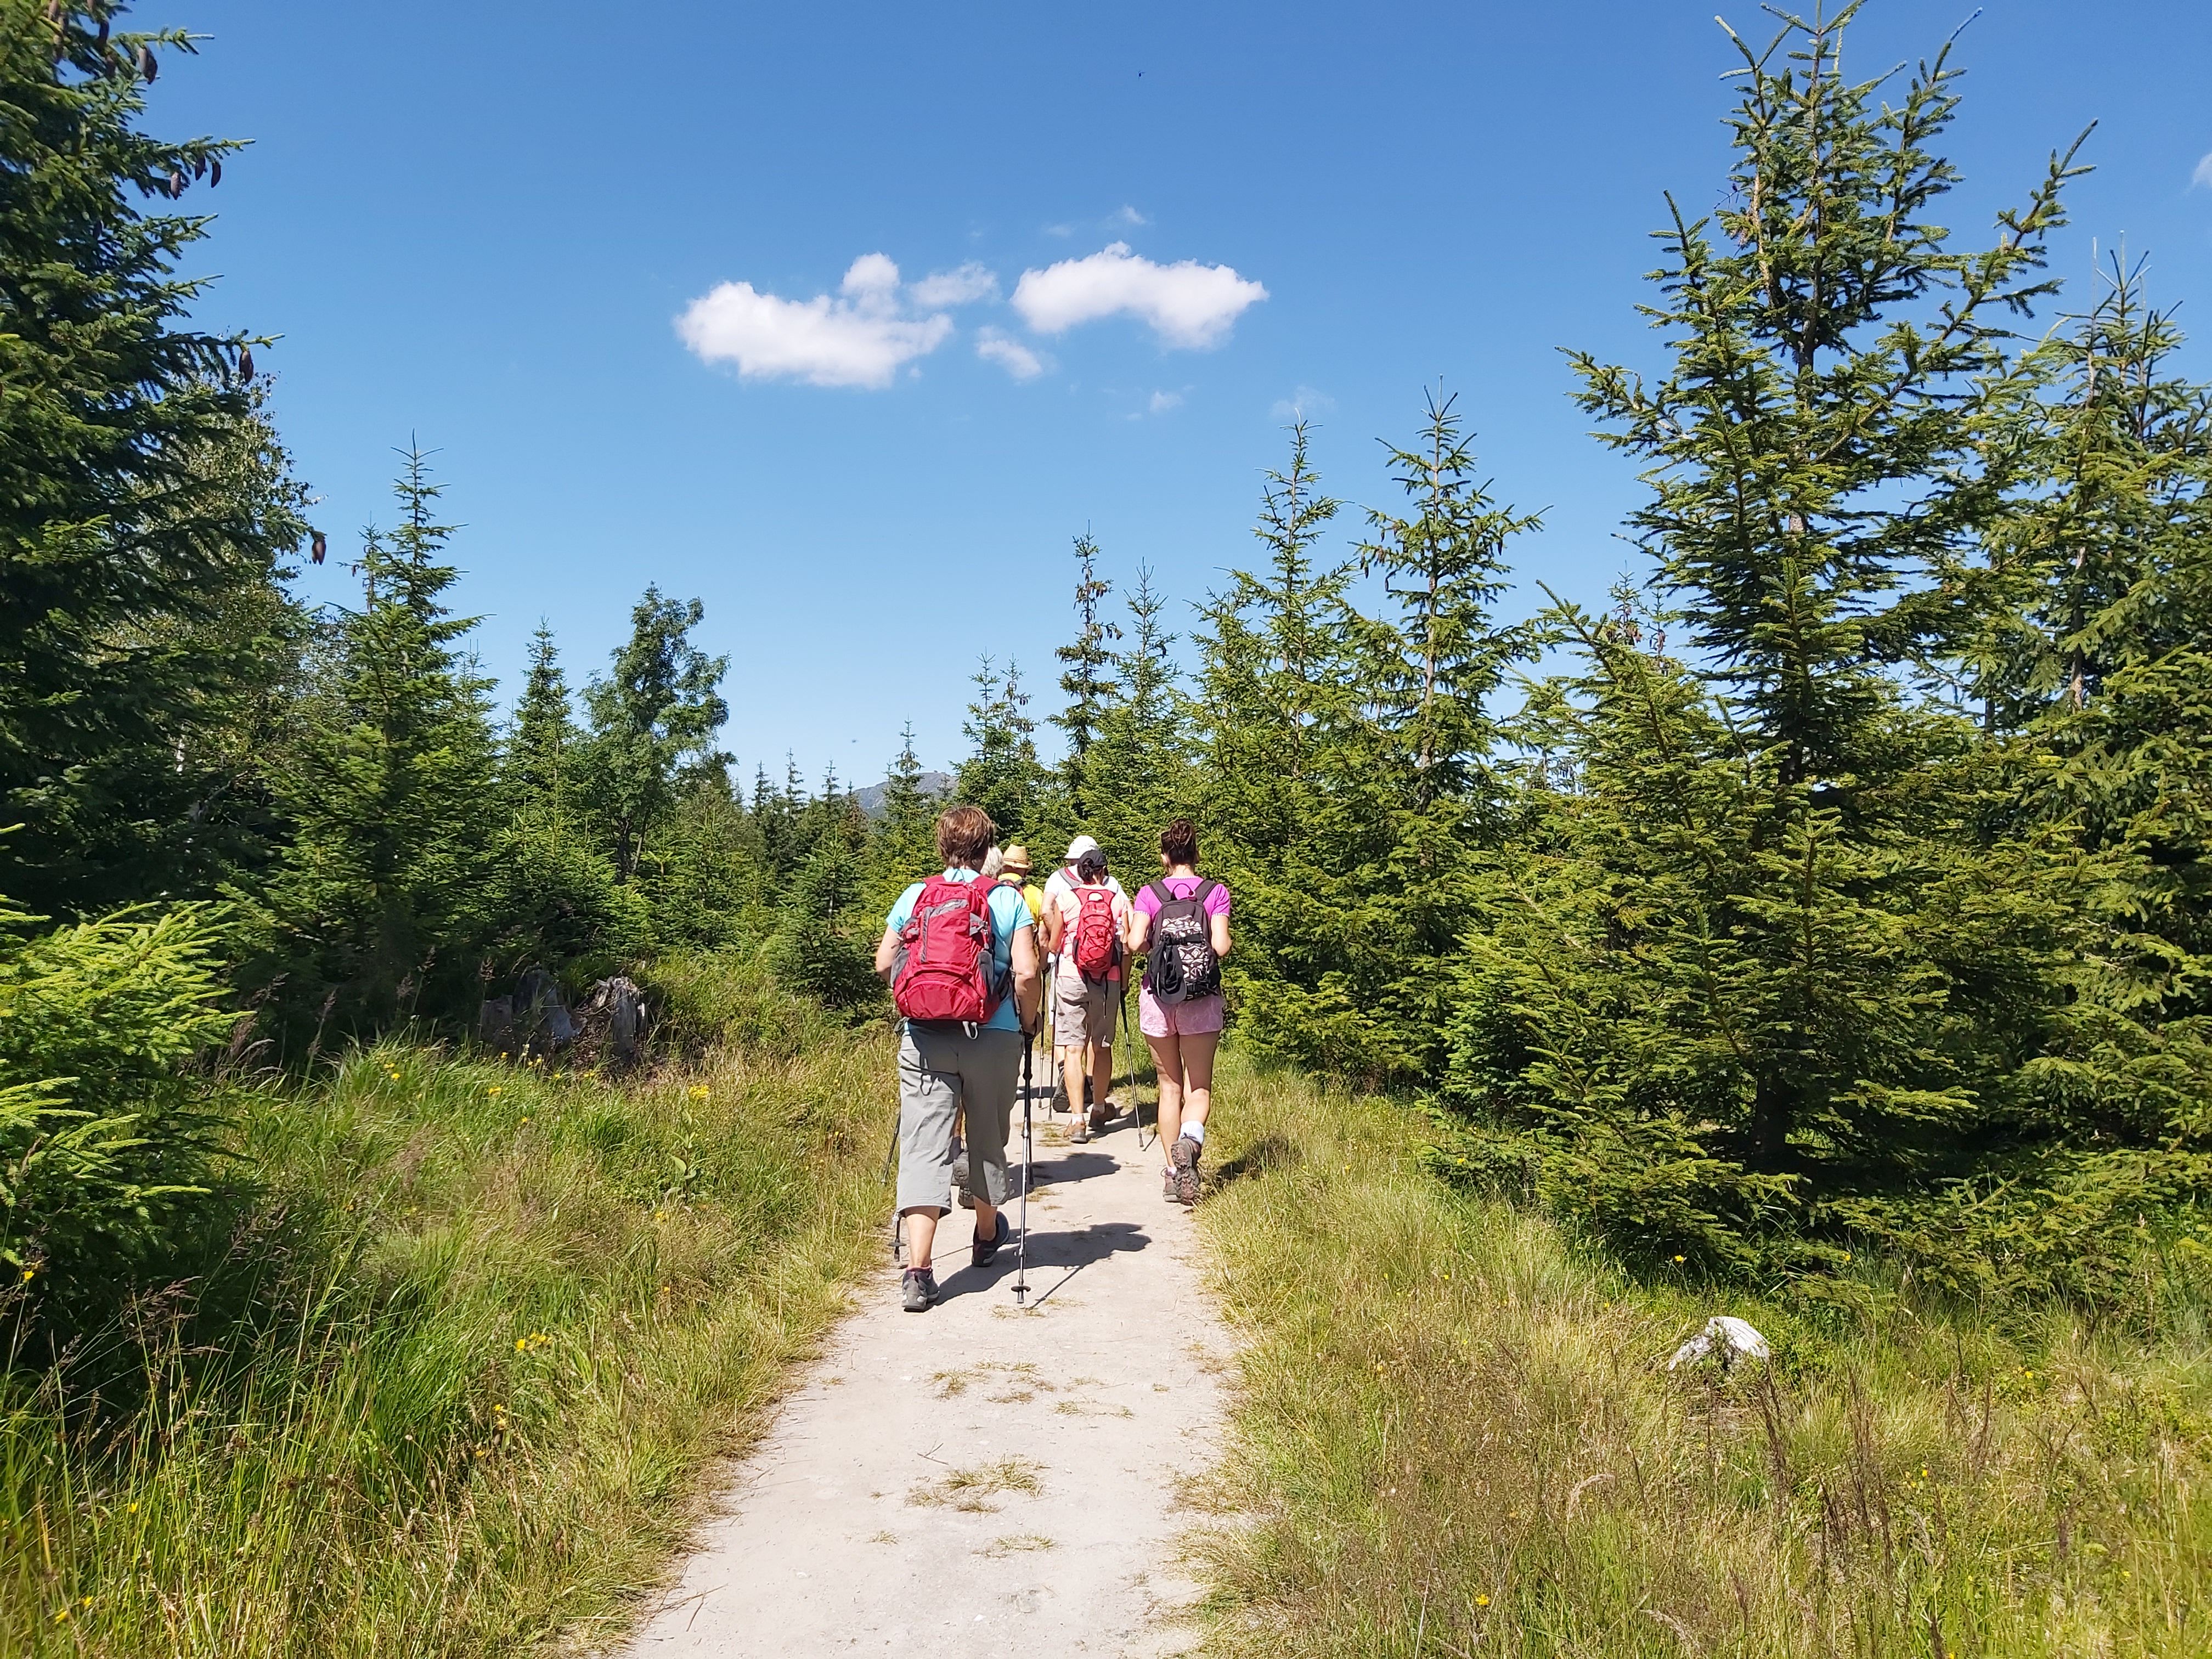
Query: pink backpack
(945, 972)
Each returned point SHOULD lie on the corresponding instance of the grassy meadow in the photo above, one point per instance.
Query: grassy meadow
(448, 1383)
(1456, 1435)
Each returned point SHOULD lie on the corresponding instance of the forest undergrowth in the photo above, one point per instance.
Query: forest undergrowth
(1456, 1435)
(447, 1386)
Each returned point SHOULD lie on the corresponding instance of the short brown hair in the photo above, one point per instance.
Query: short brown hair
(1179, 842)
(964, 835)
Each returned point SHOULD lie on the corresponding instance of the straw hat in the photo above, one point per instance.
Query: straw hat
(1016, 861)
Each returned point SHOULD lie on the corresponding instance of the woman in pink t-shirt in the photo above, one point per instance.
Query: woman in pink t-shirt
(1181, 1032)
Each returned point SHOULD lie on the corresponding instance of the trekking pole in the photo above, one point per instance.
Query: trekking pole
(1136, 1105)
(1022, 1245)
(898, 1233)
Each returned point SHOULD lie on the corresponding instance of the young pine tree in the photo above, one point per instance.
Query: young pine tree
(903, 846)
(1296, 812)
(1766, 977)
(1435, 667)
(543, 733)
(1002, 774)
(2108, 679)
(825, 945)
(1138, 765)
(379, 906)
(1085, 681)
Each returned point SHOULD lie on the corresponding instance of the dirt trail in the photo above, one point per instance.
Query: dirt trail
(1002, 1478)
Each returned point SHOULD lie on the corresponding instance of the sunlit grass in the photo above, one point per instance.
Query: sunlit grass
(498, 1322)
(1455, 1433)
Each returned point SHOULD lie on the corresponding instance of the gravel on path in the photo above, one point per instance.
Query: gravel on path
(1004, 1477)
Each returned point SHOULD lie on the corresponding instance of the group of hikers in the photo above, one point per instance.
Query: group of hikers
(969, 954)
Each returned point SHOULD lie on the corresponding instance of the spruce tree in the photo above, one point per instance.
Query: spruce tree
(544, 729)
(379, 906)
(1139, 761)
(1434, 668)
(1766, 981)
(657, 709)
(1002, 774)
(824, 946)
(143, 503)
(1084, 682)
(2109, 682)
(1295, 808)
(903, 845)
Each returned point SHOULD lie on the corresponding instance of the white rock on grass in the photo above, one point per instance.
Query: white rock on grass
(1726, 1338)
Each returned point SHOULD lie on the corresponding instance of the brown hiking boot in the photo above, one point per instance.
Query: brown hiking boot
(1185, 1169)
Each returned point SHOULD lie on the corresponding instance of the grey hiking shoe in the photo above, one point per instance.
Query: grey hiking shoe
(985, 1248)
(917, 1289)
(1081, 1132)
(1185, 1169)
(1169, 1189)
(961, 1195)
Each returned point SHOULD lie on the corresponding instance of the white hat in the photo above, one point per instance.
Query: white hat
(1078, 847)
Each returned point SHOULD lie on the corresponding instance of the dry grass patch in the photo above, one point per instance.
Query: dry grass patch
(971, 1489)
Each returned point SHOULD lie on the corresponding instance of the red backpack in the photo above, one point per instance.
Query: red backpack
(1097, 945)
(944, 971)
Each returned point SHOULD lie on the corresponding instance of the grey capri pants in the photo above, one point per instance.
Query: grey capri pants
(941, 1068)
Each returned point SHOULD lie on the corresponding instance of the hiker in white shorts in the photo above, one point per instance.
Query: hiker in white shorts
(1062, 880)
(1085, 929)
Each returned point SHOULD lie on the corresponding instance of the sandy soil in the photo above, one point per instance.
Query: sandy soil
(1004, 1477)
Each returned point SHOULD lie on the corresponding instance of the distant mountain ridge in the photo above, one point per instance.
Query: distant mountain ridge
(871, 799)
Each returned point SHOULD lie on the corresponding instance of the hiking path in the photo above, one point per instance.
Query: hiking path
(1005, 1478)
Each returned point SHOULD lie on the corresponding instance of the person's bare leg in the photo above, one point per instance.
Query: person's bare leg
(921, 1237)
(1167, 1060)
(1102, 1074)
(1198, 1074)
(987, 1220)
(1071, 1077)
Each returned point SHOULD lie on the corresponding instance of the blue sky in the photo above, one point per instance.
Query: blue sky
(483, 224)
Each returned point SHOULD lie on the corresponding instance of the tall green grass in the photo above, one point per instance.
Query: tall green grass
(449, 1387)
(1456, 1435)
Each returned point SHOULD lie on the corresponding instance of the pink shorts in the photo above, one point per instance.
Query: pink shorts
(1199, 1018)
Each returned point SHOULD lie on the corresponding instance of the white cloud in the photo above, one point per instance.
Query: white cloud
(1164, 401)
(995, 346)
(863, 339)
(1128, 215)
(1302, 403)
(2204, 173)
(1187, 304)
(963, 286)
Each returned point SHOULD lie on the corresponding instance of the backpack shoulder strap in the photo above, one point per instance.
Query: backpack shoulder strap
(1159, 891)
(1204, 890)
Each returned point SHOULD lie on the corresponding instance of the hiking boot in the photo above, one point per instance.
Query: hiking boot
(985, 1248)
(1169, 1189)
(961, 1195)
(1185, 1169)
(1101, 1115)
(917, 1289)
(1081, 1132)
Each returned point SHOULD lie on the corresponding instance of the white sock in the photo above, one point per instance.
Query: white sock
(1195, 1132)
